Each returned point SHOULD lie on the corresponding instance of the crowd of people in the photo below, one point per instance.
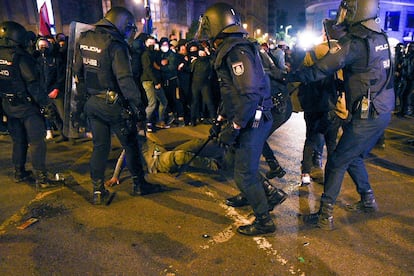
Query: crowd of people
(126, 81)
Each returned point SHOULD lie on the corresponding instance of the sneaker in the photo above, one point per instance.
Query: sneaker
(306, 179)
(100, 197)
(150, 128)
(49, 135)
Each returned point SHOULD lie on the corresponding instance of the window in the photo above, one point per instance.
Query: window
(392, 21)
(410, 20)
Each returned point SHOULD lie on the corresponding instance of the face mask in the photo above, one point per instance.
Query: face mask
(272, 47)
(164, 48)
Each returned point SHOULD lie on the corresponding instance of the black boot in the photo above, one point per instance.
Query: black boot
(323, 218)
(20, 174)
(275, 169)
(237, 201)
(100, 194)
(142, 187)
(367, 203)
(274, 195)
(263, 224)
(44, 182)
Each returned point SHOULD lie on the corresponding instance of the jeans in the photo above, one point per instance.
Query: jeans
(153, 95)
(358, 138)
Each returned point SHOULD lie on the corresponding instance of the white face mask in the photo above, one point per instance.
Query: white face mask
(165, 48)
(272, 47)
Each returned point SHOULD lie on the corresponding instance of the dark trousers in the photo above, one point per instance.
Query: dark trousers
(105, 119)
(27, 127)
(246, 159)
(358, 138)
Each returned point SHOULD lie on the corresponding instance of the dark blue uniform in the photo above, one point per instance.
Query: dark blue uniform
(104, 65)
(364, 56)
(245, 89)
(22, 98)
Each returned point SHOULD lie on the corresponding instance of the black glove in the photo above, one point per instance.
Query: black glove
(228, 135)
(215, 129)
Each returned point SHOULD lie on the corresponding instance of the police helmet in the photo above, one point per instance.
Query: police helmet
(221, 19)
(355, 11)
(14, 32)
(122, 19)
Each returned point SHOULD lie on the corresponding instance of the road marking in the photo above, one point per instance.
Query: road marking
(16, 217)
(228, 233)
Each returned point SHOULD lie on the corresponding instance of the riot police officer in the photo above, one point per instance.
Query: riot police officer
(114, 104)
(246, 105)
(364, 55)
(22, 101)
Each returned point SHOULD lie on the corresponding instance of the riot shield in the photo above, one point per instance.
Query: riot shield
(71, 128)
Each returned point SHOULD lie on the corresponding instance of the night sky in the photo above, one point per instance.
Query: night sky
(293, 7)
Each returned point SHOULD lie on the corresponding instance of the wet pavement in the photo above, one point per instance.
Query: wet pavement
(188, 230)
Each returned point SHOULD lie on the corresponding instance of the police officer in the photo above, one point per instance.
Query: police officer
(22, 101)
(246, 105)
(364, 55)
(103, 66)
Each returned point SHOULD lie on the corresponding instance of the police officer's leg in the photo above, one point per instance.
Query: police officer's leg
(357, 171)
(101, 147)
(129, 141)
(35, 128)
(20, 146)
(247, 157)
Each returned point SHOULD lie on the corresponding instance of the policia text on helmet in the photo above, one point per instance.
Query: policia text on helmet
(218, 21)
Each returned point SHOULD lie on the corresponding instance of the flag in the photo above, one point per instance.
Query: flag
(44, 23)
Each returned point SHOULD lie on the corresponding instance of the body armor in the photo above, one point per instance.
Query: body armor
(11, 82)
(94, 48)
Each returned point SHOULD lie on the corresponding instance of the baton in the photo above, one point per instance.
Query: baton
(185, 166)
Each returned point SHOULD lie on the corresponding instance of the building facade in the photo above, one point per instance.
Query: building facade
(396, 17)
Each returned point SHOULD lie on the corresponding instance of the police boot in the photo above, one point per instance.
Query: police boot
(367, 203)
(275, 169)
(237, 201)
(100, 194)
(142, 187)
(44, 182)
(20, 174)
(274, 195)
(323, 218)
(263, 224)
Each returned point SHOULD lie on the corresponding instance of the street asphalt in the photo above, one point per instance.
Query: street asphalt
(188, 230)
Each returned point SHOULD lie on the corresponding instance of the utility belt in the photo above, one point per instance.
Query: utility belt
(15, 100)
(365, 108)
(110, 96)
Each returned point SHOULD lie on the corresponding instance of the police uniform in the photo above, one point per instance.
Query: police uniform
(22, 99)
(245, 91)
(364, 56)
(103, 65)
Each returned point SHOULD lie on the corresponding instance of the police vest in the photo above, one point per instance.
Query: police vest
(94, 49)
(377, 74)
(11, 81)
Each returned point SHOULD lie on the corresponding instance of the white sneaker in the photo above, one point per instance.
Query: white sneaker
(49, 135)
(306, 179)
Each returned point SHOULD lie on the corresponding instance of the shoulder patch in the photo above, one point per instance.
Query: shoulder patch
(238, 68)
